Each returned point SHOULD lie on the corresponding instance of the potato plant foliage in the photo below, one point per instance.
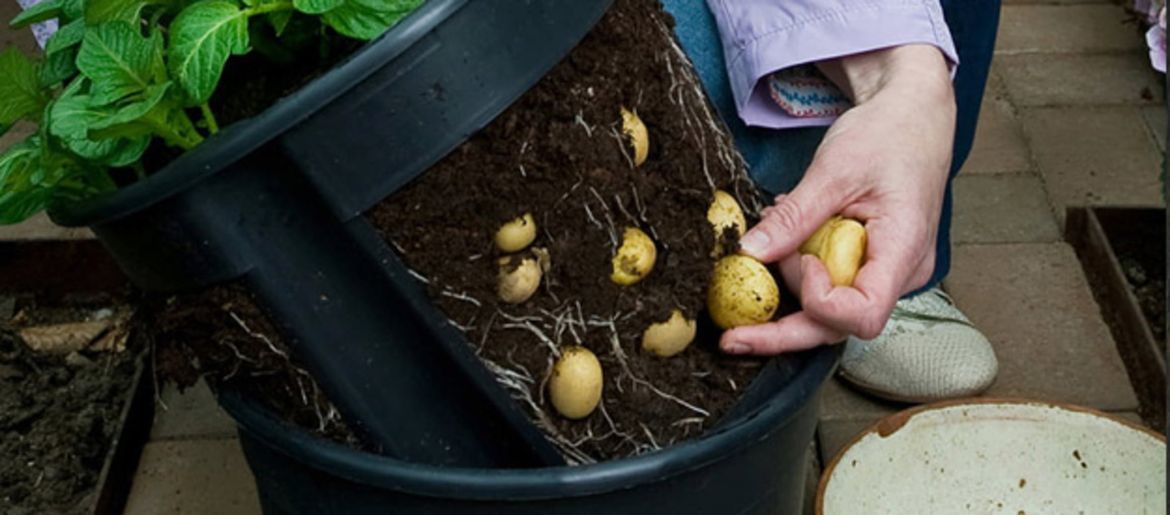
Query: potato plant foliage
(119, 74)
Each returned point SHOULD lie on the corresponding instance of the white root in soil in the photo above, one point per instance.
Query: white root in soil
(568, 324)
(308, 392)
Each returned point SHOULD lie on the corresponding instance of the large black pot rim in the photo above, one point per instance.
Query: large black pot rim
(238, 140)
(535, 483)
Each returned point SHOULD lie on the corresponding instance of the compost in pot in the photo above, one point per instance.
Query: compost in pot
(563, 153)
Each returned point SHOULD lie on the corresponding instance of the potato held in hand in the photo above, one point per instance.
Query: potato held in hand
(575, 385)
(517, 234)
(635, 258)
(742, 292)
(840, 245)
(665, 339)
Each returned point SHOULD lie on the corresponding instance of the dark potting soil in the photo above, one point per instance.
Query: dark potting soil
(222, 335)
(1143, 259)
(58, 414)
(1137, 239)
(558, 153)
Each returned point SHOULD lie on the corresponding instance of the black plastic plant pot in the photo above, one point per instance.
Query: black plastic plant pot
(273, 202)
(753, 464)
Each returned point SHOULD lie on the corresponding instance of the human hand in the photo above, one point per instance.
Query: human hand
(885, 163)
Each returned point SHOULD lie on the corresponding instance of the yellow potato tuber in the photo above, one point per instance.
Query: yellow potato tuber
(576, 382)
(742, 292)
(725, 213)
(634, 129)
(840, 245)
(635, 258)
(518, 281)
(665, 339)
(517, 234)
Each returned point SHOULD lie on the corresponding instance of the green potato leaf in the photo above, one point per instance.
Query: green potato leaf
(16, 158)
(68, 36)
(279, 21)
(127, 151)
(100, 11)
(23, 188)
(73, 9)
(359, 21)
(58, 67)
(120, 61)
(70, 119)
(131, 111)
(73, 116)
(202, 38)
(81, 184)
(46, 10)
(135, 129)
(403, 7)
(20, 88)
(316, 6)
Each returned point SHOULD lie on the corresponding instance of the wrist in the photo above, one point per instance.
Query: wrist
(921, 68)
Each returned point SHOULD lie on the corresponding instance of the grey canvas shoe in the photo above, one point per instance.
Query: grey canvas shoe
(928, 351)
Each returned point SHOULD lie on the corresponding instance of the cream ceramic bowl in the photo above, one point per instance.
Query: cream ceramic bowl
(998, 456)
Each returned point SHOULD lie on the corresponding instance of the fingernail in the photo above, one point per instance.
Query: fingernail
(754, 242)
(736, 348)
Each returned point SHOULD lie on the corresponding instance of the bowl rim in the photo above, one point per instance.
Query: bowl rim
(892, 423)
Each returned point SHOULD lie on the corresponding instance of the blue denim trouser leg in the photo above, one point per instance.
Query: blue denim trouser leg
(777, 158)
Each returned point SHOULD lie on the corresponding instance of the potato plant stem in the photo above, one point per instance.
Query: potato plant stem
(139, 170)
(185, 136)
(209, 117)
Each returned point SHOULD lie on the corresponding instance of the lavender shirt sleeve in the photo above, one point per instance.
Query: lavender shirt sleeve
(763, 36)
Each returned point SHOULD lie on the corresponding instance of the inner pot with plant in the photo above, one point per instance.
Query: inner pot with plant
(589, 229)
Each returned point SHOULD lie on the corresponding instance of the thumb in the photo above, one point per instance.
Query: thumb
(793, 218)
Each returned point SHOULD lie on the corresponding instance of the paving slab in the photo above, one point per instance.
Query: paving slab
(190, 414)
(17, 132)
(812, 480)
(1033, 28)
(1156, 122)
(1094, 156)
(193, 477)
(846, 412)
(22, 39)
(1002, 208)
(39, 227)
(1129, 416)
(1000, 146)
(1075, 79)
(1033, 303)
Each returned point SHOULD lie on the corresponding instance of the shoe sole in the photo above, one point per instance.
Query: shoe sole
(877, 392)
